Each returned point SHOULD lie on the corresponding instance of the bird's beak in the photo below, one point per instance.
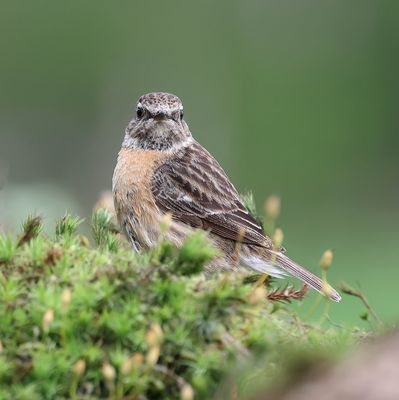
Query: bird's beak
(160, 116)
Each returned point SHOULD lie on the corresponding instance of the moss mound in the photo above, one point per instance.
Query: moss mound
(96, 321)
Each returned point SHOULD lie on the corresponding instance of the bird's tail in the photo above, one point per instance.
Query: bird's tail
(277, 264)
(304, 275)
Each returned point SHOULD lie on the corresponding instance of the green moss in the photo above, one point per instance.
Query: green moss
(153, 317)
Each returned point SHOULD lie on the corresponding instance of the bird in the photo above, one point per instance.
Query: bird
(162, 170)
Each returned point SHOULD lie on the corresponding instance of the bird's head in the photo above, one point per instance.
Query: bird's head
(158, 124)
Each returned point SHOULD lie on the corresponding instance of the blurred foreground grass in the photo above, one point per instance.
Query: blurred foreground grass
(99, 321)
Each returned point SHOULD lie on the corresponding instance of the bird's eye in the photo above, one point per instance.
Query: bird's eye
(181, 114)
(140, 112)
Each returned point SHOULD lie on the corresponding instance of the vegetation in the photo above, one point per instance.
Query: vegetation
(86, 321)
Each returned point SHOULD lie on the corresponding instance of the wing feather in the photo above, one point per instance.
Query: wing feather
(193, 187)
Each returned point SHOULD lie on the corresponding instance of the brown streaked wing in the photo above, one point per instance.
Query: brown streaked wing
(193, 187)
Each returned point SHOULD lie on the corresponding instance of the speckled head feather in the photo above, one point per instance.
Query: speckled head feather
(158, 124)
(160, 102)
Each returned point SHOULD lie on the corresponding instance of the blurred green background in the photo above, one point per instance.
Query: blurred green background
(298, 98)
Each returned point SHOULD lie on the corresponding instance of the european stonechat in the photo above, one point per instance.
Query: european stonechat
(162, 169)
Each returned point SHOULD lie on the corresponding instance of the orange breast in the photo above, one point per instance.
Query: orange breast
(134, 203)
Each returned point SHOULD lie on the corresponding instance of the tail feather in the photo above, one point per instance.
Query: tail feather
(304, 275)
(259, 264)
